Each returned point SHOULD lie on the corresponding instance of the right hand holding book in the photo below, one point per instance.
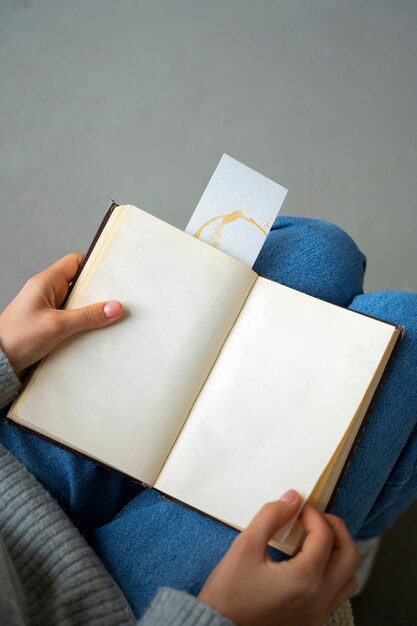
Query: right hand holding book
(250, 589)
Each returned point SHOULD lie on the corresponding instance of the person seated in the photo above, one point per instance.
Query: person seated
(84, 545)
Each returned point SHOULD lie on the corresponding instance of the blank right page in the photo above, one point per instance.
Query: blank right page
(284, 389)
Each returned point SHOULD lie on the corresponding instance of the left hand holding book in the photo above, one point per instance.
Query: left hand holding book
(33, 324)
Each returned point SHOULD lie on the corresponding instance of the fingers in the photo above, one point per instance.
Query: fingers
(328, 559)
(54, 280)
(268, 521)
(344, 594)
(92, 316)
(344, 559)
(317, 545)
(53, 283)
(342, 538)
(67, 266)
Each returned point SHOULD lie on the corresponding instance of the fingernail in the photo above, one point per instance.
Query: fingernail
(289, 496)
(112, 309)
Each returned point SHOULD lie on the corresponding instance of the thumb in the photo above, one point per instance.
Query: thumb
(92, 316)
(271, 517)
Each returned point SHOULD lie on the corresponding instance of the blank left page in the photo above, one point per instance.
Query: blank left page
(120, 394)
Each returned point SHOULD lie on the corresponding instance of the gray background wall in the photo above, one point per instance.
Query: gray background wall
(138, 100)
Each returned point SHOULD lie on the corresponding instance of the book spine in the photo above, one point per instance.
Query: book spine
(104, 221)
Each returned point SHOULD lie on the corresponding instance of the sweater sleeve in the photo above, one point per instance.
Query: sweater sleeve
(9, 382)
(169, 607)
(178, 608)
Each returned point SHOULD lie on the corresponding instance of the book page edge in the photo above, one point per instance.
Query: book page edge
(103, 243)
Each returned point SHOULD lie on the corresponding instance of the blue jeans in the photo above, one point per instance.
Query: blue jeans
(147, 541)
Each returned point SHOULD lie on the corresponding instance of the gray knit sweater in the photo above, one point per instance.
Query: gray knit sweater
(50, 575)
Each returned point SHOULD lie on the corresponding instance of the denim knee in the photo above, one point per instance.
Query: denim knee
(396, 404)
(381, 480)
(313, 256)
(88, 493)
(397, 307)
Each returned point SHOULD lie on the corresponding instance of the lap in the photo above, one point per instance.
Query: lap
(383, 468)
(315, 257)
(88, 493)
(310, 255)
(155, 542)
(146, 540)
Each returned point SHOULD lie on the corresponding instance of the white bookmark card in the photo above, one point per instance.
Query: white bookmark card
(237, 210)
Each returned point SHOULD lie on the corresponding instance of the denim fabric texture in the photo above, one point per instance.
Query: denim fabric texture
(147, 541)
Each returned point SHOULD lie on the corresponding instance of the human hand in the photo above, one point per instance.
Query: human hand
(33, 325)
(252, 590)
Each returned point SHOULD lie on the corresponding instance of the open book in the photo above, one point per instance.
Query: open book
(219, 388)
